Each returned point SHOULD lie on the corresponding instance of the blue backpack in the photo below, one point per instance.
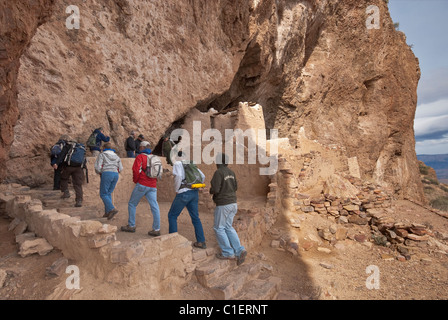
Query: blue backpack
(76, 155)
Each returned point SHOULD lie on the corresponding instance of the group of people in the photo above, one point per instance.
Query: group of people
(108, 164)
(64, 170)
(132, 144)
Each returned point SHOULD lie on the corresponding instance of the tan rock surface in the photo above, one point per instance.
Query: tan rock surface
(142, 66)
(18, 22)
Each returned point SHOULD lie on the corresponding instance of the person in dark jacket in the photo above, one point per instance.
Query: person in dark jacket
(138, 141)
(100, 137)
(130, 145)
(166, 149)
(68, 171)
(223, 188)
(55, 154)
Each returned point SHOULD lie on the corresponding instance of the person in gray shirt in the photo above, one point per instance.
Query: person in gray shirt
(108, 165)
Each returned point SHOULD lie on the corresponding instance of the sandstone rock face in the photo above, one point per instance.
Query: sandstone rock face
(342, 83)
(130, 66)
(18, 22)
(143, 65)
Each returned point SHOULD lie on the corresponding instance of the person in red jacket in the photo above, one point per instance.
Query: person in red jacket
(145, 186)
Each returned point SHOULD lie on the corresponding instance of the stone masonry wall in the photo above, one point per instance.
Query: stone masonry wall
(164, 262)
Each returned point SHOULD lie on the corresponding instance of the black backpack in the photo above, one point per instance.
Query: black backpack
(76, 154)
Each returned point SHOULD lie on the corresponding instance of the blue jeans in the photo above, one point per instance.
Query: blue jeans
(226, 235)
(151, 195)
(190, 200)
(130, 154)
(107, 185)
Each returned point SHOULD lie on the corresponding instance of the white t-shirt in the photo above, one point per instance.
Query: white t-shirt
(179, 175)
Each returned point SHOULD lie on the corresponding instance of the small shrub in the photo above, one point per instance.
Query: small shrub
(440, 203)
(433, 181)
(444, 188)
(423, 170)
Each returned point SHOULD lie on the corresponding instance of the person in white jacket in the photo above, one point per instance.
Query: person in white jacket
(108, 165)
(186, 197)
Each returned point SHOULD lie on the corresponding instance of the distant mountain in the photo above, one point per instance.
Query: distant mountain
(439, 162)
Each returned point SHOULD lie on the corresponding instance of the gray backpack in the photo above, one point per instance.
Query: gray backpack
(154, 168)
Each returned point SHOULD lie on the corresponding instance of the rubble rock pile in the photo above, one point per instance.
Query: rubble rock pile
(373, 209)
(355, 209)
(359, 210)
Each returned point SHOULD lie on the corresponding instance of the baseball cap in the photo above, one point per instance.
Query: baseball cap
(145, 144)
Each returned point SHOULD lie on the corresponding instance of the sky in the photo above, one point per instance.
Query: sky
(425, 23)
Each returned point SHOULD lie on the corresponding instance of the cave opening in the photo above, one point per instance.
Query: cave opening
(175, 125)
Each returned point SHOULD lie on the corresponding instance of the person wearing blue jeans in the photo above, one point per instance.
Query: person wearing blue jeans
(226, 235)
(151, 195)
(107, 185)
(145, 186)
(190, 200)
(186, 197)
(108, 165)
(223, 187)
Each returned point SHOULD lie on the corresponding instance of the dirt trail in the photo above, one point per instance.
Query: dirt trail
(311, 274)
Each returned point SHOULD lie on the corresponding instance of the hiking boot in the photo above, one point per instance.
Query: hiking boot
(78, 204)
(154, 233)
(241, 258)
(200, 245)
(220, 256)
(65, 195)
(111, 214)
(128, 229)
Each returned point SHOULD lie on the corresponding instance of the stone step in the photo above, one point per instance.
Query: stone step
(46, 194)
(201, 256)
(85, 213)
(43, 194)
(260, 289)
(230, 284)
(209, 271)
(57, 203)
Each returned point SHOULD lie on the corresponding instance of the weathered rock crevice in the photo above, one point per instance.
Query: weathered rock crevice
(143, 66)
